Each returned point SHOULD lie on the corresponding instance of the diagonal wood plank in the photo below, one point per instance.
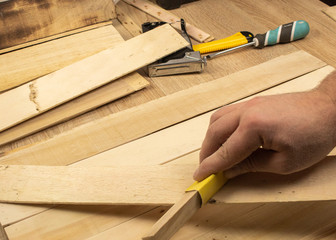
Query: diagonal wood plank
(90, 73)
(111, 131)
(100, 96)
(16, 67)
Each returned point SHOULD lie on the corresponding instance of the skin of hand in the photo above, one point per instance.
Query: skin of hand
(280, 134)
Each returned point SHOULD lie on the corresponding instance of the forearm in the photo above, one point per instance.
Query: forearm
(328, 86)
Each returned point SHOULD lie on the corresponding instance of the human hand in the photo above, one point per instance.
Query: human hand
(280, 134)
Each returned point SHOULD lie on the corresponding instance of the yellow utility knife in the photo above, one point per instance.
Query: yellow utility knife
(235, 40)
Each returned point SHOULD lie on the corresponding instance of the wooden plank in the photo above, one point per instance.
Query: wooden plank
(171, 147)
(331, 12)
(309, 220)
(3, 234)
(175, 218)
(108, 132)
(85, 75)
(100, 96)
(168, 17)
(16, 67)
(152, 185)
(156, 185)
(25, 20)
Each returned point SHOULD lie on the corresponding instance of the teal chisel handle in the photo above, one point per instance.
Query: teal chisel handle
(283, 34)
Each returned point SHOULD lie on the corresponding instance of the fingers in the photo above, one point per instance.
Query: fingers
(241, 144)
(218, 132)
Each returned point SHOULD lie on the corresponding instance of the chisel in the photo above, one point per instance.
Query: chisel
(283, 34)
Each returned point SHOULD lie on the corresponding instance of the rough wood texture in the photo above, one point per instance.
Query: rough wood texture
(175, 218)
(88, 74)
(168, 17)
(25, 20)
(153, 185)
(16, 67)
(156, 185)
(151, 150)
(111, 131)
(108, 93)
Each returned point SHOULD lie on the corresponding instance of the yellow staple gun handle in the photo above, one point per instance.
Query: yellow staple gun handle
(235, 40)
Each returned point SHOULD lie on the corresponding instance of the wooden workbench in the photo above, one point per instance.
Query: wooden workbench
(308, 220)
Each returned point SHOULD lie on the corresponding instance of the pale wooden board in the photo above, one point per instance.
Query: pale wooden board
(3, 234)
(331, 12)
(16, 67)
(108, 132)
(292, 221)
(112, 91)
(26, 20)
(151, 150)
(85, 75)
(167, 16)
(119, 156)
(156, 185)
(153, 185)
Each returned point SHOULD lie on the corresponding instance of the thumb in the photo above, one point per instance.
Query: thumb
(238, 147)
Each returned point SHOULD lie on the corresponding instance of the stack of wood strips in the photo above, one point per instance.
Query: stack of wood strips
(114, 176)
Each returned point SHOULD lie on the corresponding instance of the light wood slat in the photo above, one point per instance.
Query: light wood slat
(3, 234)
(108, 132)
(123, 156)
(17, 68)
(108, 93)
(331, 12)
(152, 185)
(168, 17)
(83, 76)
(156, 185)
(309, 220)
(27, 20)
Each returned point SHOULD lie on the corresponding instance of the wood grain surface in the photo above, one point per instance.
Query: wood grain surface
(23, 20)
(309, 220)
(16, 67)
(116, 129)
(87, 74)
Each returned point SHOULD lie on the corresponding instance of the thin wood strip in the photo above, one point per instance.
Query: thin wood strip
(111, 131)
(152, 185)
(152, 150)
(156, 185)
(108, 93)
(90, 73)
(331, 12)
(54, 37)
(3, 234)
(16, 67)
(166, 16)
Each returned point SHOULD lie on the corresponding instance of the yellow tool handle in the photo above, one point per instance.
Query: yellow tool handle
(235, 40)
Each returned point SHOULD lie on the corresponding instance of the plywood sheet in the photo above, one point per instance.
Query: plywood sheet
(331, 12)
(88, 74)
